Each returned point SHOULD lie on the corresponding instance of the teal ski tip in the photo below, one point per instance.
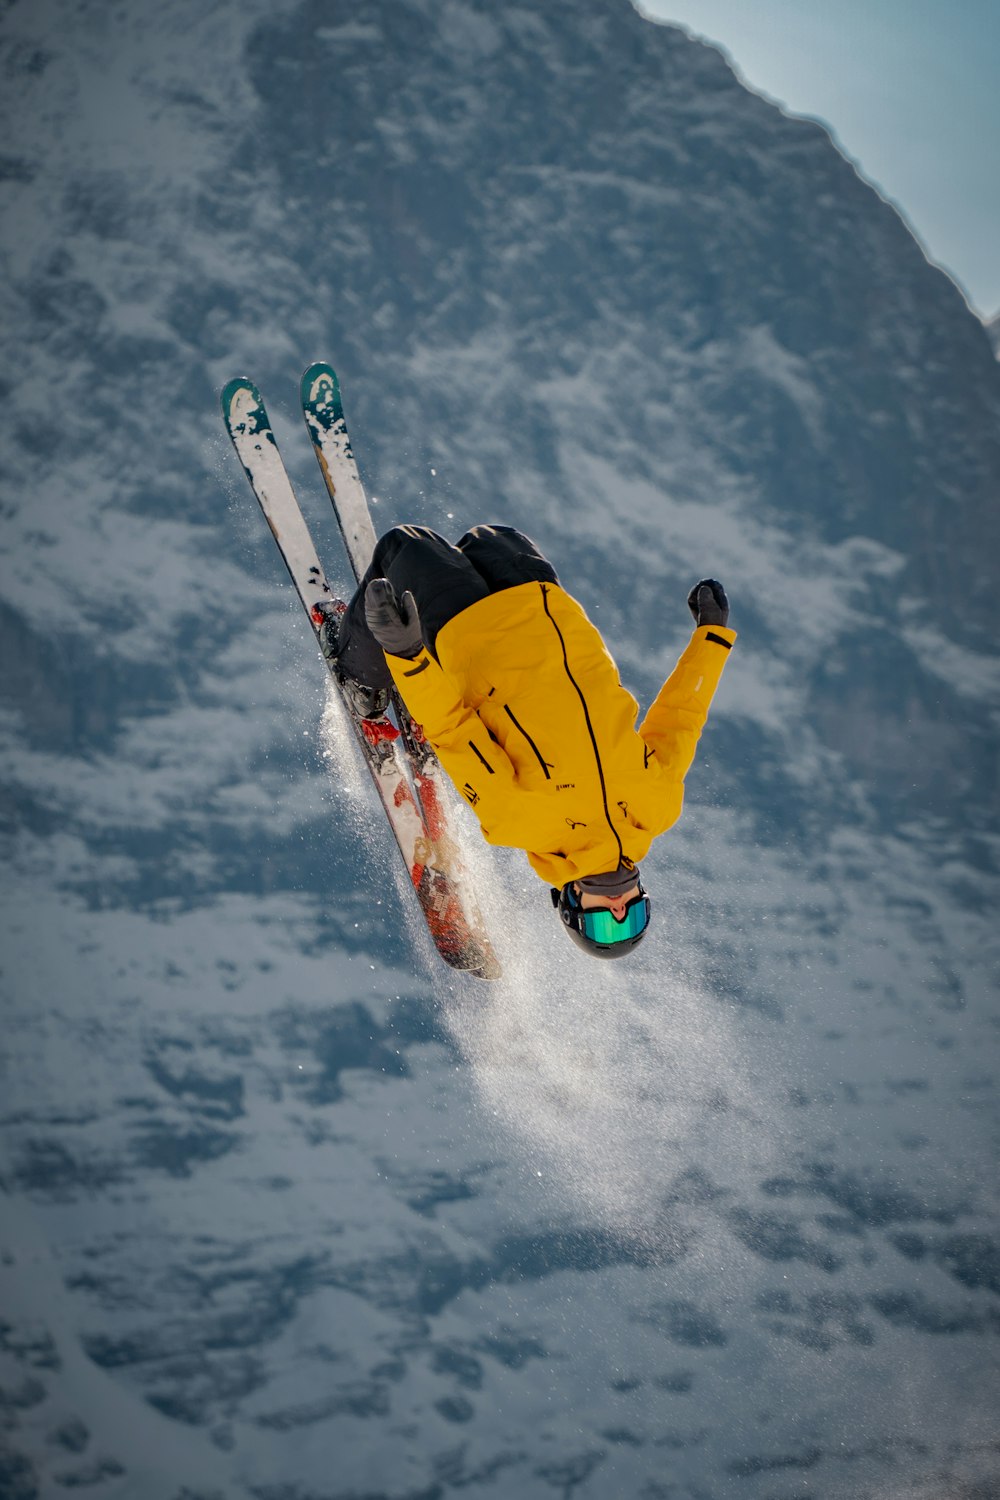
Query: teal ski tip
(243, 406)
(232, 388)
(321, 394)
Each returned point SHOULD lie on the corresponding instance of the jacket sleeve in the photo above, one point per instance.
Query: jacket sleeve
(673, 725)
(476, 764)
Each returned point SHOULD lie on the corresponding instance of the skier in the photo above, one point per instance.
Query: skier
(516, 691)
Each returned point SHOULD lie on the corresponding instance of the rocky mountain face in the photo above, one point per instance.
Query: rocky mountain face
(288, 1212)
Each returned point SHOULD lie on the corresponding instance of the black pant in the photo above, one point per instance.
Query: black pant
(443, 580)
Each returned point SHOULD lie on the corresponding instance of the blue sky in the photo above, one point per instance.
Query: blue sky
(910, 89)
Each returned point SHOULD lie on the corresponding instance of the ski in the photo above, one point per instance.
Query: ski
(323, 410)
(429, 854)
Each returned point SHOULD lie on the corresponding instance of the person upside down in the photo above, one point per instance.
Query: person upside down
(518, 694)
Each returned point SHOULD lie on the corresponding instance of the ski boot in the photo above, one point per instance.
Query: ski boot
(366, 702)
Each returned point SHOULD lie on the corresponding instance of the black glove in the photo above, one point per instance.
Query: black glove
(393, 622)
(708, 603)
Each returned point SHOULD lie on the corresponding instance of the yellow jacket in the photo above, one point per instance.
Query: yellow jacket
(528, 715)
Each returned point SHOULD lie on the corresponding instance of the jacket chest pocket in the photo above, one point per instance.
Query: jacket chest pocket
(526, 739)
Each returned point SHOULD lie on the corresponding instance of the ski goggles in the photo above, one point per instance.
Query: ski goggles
(601, 926)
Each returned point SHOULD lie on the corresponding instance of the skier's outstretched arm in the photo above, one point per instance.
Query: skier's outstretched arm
(673, 725)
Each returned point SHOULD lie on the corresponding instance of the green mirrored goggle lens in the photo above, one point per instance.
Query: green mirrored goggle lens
(601, 927)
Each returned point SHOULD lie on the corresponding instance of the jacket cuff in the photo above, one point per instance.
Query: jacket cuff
(719, 635)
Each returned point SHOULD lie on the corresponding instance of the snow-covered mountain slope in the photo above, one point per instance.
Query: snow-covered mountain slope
(287, 1211)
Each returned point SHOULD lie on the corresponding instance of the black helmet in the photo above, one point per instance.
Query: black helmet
(597, 931)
